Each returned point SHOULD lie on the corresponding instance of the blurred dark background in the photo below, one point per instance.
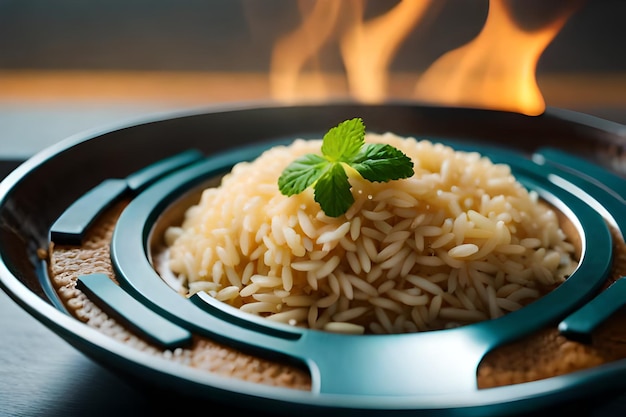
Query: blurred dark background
(237, 35)
(71, 65)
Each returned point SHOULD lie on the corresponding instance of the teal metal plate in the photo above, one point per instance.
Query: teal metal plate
(406, 366)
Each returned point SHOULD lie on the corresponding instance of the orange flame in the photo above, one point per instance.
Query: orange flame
(496, 70)
(368, 47)
(293, 51)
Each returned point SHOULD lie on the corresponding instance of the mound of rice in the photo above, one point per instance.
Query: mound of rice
(459, 242)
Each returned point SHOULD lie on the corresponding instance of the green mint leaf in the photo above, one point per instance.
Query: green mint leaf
(379, 162)
(342, 145)
(301, 173)
(343, 142)
(332, 191)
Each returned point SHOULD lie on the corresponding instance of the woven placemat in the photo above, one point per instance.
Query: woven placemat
(541, 355)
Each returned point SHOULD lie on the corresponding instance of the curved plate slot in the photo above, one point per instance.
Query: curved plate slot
(70, 227)
(113, 299)
(236, 317)
(588, 171)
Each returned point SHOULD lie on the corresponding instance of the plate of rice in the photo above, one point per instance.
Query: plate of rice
(442, 290)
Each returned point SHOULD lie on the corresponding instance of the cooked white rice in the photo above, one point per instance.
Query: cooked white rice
(459, 242)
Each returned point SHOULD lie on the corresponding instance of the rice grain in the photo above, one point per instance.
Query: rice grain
(460, 241)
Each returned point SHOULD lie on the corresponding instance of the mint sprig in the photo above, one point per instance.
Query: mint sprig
(343, 145)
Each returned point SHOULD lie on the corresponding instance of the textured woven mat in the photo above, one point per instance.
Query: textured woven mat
(540, 355)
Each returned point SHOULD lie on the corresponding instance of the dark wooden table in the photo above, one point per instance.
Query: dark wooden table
(42, 375)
